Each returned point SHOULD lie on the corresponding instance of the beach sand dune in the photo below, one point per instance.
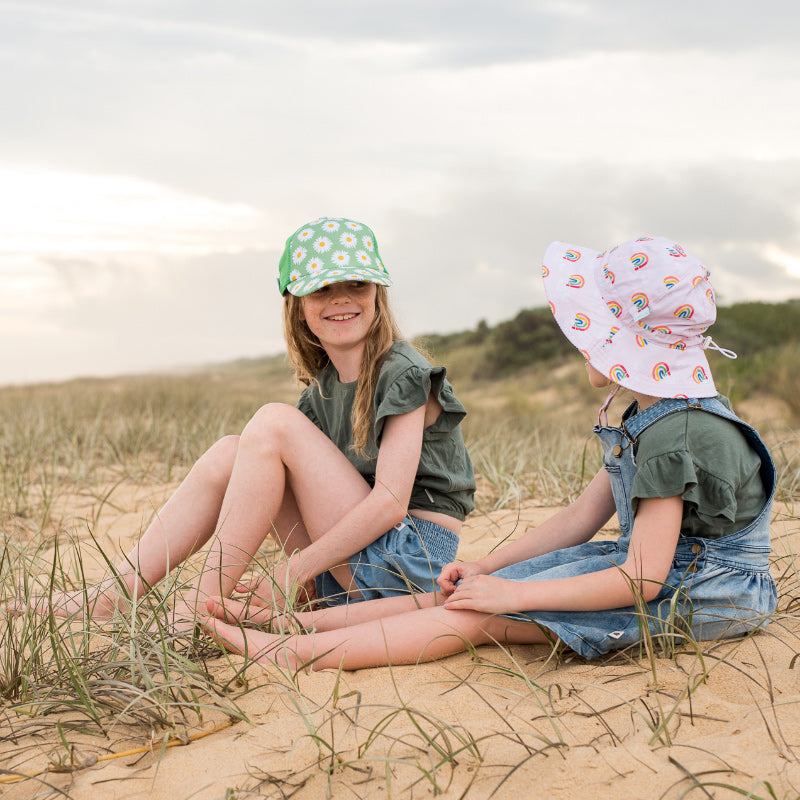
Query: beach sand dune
(499, 723)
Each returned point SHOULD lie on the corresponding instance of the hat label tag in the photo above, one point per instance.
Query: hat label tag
(641, 313)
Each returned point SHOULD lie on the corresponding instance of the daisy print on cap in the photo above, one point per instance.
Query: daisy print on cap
(315, 266)
(320, 252)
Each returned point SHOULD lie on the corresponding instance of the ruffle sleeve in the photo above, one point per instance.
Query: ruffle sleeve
(304, 404)
(409, 390)
(676, 473)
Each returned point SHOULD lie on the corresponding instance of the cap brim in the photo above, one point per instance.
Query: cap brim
(304, 286)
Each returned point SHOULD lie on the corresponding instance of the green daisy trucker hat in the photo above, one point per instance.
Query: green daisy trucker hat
(329, 250)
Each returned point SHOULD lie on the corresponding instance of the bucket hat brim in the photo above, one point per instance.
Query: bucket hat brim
(650, 361)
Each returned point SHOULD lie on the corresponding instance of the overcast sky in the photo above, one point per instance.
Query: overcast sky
(155, 155)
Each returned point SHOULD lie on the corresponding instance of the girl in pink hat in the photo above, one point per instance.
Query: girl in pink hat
(364, 484)
(691, 485)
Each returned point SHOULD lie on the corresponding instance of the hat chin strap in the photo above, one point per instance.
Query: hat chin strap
(708, 343)
(602, 416)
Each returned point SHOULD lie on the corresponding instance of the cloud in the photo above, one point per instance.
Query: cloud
(156, 156)
(63, 213)
(470, 30)
(104, 274)
(484, 253)
(476, 255)
(200, 310)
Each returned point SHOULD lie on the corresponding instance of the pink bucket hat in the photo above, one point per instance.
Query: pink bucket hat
(637, 313)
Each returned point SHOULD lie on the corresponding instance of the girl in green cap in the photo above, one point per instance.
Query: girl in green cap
(364, 484)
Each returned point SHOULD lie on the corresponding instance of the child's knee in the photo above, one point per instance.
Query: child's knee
(272, 424)
(216, 464)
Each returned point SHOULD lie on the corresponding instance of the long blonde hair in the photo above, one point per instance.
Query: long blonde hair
(308, 357)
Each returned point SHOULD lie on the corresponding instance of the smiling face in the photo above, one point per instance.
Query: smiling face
(340, 315)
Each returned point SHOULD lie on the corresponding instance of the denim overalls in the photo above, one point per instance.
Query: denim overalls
(715, 588)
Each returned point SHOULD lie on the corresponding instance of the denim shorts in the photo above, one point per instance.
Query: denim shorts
(716, 588)
(406, 559)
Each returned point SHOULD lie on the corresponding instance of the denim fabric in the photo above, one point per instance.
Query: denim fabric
(716, 587)
(407, 558)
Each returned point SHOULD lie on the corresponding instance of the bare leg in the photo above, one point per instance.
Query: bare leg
(423, 635)
(325, 619)
(281, 454)
(240, 491)
(185, 523)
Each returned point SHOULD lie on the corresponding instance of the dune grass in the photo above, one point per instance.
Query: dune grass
(135, 684)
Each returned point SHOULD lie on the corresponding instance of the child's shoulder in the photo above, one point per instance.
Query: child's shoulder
(702, 433)
(403, 354)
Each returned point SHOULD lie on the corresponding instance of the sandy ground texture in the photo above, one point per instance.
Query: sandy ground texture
(719, 722)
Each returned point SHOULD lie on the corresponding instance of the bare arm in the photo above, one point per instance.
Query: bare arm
(384, 506)
(575, 524)
(653, 541)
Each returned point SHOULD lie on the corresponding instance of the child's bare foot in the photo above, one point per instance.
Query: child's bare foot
(235, 611)
(183, 616)
(239, 611)
(264, 592)
(265, 648)
(245, 613)
(99, 601)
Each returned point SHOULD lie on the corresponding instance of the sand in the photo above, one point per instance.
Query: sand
(522, 722)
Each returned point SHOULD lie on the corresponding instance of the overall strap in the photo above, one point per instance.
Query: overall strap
(634, 426)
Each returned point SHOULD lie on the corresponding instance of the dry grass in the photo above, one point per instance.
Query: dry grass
(76, 459)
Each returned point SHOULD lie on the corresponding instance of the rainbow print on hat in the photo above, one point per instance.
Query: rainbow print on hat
(660, 371)
(637, 312)
(639, 300)
(581, 322)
